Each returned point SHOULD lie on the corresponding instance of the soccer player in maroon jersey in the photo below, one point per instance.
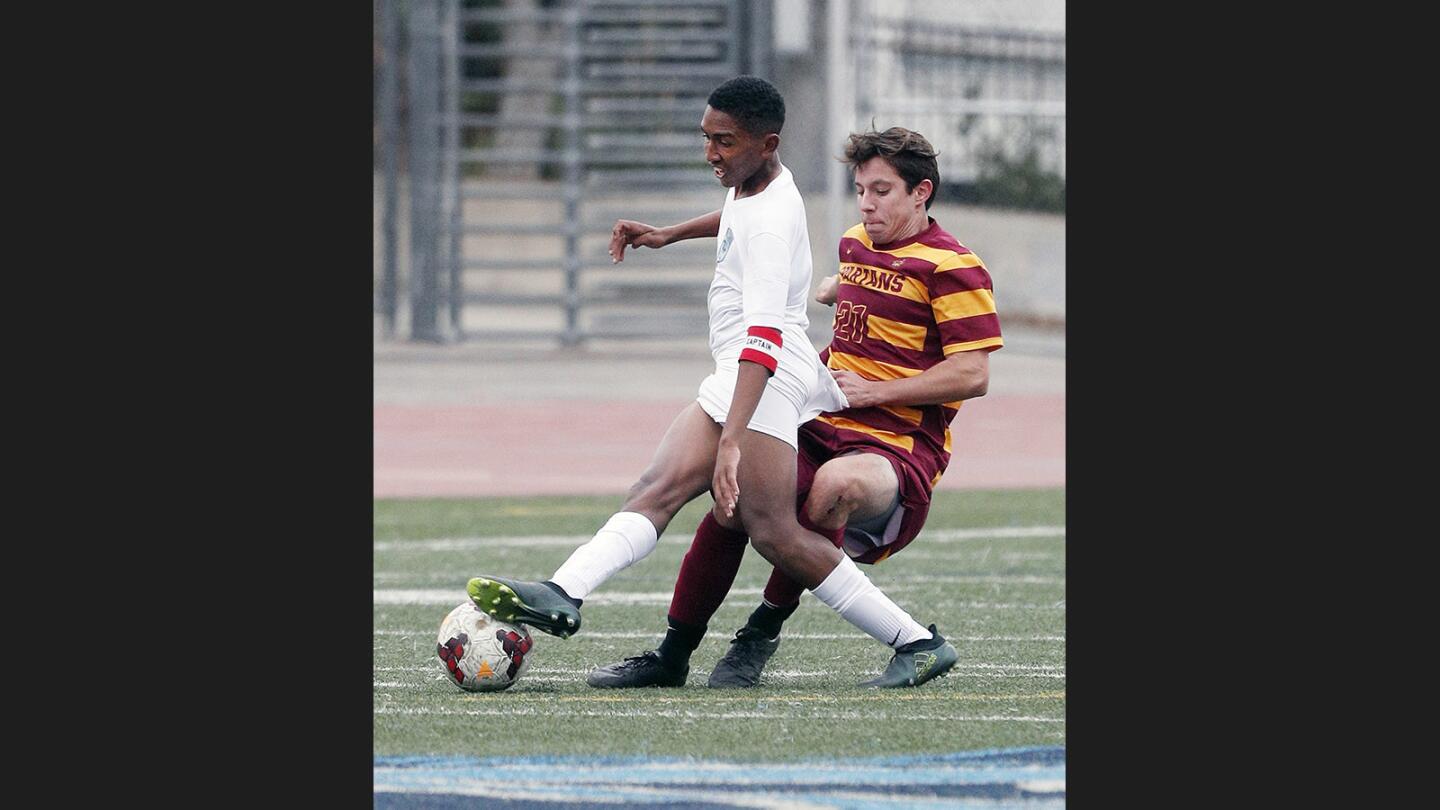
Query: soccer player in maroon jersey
(739, 439)
(915, 323)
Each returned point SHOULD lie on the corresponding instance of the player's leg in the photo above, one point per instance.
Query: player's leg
(860, 491)
(706, 574)
(680, 470)
(853, 488)
(861, 488)
(709, 567)
(766, 466)
(857, 493)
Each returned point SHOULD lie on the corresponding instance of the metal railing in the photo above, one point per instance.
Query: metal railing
(532, 128)
(972, 88)
(525, 128)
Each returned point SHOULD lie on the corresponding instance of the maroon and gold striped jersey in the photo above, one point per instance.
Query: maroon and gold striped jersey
(901, 309)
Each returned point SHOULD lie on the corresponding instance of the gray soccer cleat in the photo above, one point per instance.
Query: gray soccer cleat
(518, 602)
(744, 661)
(645, 669)
(917, 662)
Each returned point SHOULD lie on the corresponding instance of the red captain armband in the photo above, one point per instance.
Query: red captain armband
(762, 345)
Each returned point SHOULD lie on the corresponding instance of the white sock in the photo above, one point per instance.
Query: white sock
(624, 540)
(851, 594)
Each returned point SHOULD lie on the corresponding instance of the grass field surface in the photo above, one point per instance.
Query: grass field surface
(988, 569)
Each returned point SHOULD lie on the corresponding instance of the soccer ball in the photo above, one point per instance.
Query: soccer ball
(480, 653)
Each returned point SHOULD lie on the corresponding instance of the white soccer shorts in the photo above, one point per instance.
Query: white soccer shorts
(800, 390)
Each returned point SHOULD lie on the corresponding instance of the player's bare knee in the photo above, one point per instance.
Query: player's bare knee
(833, 497)
(782, 550)
(826, 513)
(766, 546)
(770, 534)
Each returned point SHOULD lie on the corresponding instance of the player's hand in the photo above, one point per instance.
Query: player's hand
(858, 391)
(726, 483)
(629, 233)
(828, 290)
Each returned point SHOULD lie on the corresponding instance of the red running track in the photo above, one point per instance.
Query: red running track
(557, 448)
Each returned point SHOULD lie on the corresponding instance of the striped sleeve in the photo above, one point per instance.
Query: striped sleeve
(963, 301)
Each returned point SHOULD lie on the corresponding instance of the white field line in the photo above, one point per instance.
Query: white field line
(907, 581)
(443, 679)
(933, 557)
(1058, 672)
(553, 711)
(681, 539)
(993, 579)
(1002, 533)
(451, 597)
(602, 634)
(707, 698)
(570, 675)
(772, 676)
(983, 553)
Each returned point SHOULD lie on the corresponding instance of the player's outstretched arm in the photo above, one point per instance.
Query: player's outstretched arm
(963, 375)
(629, 233)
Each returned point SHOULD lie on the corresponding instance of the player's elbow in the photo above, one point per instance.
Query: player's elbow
(969, 375)
(971, 386)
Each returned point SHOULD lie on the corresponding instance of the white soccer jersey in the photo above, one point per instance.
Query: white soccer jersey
(758, 304)
(762, 265)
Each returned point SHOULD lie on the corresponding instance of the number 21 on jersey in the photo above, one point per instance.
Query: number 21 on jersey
(850, 322)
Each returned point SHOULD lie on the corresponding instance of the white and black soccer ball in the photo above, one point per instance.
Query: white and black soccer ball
(480, 653)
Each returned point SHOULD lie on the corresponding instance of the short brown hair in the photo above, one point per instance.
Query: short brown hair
(907, 151)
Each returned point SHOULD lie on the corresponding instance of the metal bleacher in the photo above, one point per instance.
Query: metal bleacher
(565, 117)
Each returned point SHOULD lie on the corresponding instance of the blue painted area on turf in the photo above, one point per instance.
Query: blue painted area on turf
(457, 802)
(1030, 777)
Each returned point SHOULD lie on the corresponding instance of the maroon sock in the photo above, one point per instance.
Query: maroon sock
(707, 572)
(781, 590)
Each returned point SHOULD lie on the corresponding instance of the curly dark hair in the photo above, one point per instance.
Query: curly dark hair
(754, 103)
(907, 151)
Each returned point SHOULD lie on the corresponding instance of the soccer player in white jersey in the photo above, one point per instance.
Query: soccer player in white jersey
(738, 439)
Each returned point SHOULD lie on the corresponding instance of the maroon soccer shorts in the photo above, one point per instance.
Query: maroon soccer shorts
(821, 442)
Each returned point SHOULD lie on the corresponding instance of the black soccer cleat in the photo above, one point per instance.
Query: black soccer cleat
(532, 603)
(645, 669)
(743, 662)
(917, 662)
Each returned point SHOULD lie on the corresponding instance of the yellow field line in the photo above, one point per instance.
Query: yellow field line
(753, 699)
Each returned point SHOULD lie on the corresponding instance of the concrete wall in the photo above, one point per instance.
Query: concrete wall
(805, 145)
(1024, 250)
